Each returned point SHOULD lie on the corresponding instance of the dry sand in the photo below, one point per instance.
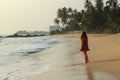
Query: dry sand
(67, 62)
(105, 53)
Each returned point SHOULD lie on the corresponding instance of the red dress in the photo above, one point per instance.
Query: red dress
(84, 46)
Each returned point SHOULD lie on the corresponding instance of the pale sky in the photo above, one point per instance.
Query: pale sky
(31, 15)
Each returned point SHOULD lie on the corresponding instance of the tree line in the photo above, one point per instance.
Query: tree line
(99, 17)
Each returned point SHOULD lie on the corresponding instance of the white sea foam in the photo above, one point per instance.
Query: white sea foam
(14, 62)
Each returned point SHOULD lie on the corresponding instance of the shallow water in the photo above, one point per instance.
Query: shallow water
(24, 69)
(15, 62)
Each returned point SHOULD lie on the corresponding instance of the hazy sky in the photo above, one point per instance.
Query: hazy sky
(31, 15)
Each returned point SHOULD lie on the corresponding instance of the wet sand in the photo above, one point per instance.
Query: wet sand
(67, 62)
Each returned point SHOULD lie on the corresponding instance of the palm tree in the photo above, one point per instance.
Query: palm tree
(70, 10)
(112, 3)
(114, 17)
(87, 16)
(99, 15)
(70, 14)
(63, 16)
(88, 4)
(99, 5)
(56, 21)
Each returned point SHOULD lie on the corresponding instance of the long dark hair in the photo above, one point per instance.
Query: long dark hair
(84, 35)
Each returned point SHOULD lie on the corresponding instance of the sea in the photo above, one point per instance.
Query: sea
(15, 62)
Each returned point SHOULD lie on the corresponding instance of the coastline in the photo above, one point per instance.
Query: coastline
(15, 53)
(67, 62)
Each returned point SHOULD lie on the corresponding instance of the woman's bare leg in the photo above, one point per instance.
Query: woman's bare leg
(86, 57)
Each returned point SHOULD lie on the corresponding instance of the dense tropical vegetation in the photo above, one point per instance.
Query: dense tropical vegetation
(98, 17)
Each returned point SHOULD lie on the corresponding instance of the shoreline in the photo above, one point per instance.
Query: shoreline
(67, 62)
(16, 53)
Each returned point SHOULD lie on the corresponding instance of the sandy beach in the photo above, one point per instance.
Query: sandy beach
(105, 53)
(67, 62)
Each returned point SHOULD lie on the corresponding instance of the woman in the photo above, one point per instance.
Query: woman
(84, 46)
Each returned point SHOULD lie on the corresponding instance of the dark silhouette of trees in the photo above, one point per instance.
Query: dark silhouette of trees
(63, 16)
(56, 21)
(100, 17)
